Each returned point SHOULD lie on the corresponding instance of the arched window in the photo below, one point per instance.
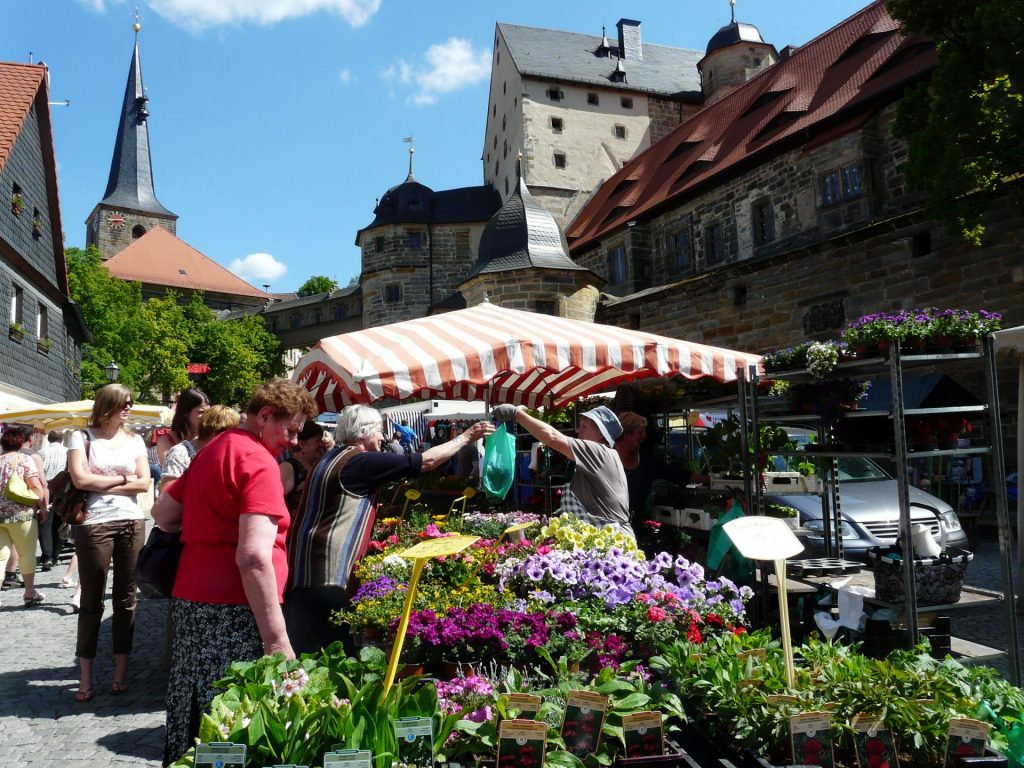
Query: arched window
(138, 231)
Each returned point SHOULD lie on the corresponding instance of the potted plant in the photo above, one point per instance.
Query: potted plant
(16, 331)
(822, 358)
(37, 227)
(44, 345)
(17, 204)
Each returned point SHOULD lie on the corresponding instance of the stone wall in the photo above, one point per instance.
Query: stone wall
(566, 293)
(113, 235)
(666, 114)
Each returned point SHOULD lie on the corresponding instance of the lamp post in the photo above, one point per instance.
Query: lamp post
(112, 372)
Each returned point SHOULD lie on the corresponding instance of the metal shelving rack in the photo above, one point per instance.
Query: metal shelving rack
(893, 367)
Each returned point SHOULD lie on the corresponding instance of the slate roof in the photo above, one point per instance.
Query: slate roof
(732, 33)
(522, 235)
(570, 56)
(414, 203)
(825, 88)
(160, 258)
(130, 184)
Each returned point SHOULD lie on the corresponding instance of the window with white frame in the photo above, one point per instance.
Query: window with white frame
(17, 304)
(42, 323)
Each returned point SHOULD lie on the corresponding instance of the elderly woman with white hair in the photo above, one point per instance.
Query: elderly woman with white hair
(334, 520)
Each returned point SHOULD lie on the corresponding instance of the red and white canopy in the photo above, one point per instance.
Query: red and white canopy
(499, 355)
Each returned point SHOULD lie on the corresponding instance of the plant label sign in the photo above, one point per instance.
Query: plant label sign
(874, 742)
(526, 705)
(415, 741)
(644, 734)
(348, 758)
(220, 754)
(811, 738)
(584, 717)
(967, 738)
(521, 743)
(446, 545)
(763, 538)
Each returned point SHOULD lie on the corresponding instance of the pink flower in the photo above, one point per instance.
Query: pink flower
(656, 613)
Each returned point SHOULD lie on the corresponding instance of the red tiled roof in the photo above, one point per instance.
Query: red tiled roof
(19, 84)
(160, 258)
(198, 368)
(844, 73)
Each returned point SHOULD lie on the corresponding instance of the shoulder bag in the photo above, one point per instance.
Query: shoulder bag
(66, 501)
(157, 565)
(17, 489)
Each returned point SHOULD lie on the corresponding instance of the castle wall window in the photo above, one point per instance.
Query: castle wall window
(338, 312)
(273, 324)
(841, 184)
(764, 221)
(392, 293)
(378, 244)
(544, 308)
(593, 99)
(682, 249)
(714, 244)
(138, 231)
(295, 321)
(416, 241)
(851, 181)
(503, 117)
(559, 160)
(617, 265)
(556, 124)
(627, 102)
(555, 94)
(620, 131)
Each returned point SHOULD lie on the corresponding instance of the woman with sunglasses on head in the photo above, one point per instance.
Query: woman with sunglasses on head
(114, 469)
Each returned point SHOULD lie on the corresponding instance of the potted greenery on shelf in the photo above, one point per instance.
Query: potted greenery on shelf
(44, 345)
(17, 204)
(16, 331)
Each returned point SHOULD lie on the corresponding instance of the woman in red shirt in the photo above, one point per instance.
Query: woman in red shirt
(229, 507)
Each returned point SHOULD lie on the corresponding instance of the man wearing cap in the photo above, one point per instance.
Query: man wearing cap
(598, 493)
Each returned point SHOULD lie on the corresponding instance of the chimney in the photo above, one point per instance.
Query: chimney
(629, 39)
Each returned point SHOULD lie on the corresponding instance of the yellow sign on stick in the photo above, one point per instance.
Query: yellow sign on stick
(419, 554)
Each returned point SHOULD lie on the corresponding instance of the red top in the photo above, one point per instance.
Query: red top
(233, 475)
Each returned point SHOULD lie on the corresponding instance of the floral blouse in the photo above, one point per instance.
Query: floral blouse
(12, 511)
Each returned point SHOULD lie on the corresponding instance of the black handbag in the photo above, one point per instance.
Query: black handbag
(158, 563)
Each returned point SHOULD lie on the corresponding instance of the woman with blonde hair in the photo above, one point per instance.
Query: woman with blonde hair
(219, 418)
(229, 507)
(114, 469)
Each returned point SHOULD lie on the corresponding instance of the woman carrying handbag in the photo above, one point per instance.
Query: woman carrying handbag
(18, 516)
(114, 473)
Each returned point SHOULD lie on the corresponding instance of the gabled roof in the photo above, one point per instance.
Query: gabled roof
(828, 86)
(549, 53)
(21, 86)
(160, 258)
(130, 184)
(522, 235)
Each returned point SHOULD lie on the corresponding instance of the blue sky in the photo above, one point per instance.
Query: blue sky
(275, 124)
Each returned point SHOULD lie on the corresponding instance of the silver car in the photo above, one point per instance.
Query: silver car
(870, 507)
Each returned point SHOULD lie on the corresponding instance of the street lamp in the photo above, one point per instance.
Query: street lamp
(112, 372)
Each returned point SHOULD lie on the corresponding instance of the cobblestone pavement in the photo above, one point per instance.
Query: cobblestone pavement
(41, 726)
(40, 723)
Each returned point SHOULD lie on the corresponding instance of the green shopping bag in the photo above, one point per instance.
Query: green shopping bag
(499, 467)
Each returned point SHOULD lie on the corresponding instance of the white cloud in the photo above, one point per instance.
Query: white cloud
(200, 14)
(258, 267)
(345, 76)
(447, 67)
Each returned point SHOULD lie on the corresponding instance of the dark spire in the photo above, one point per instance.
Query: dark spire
(131, 171)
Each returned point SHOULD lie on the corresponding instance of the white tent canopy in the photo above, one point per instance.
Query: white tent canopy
(1012, 339)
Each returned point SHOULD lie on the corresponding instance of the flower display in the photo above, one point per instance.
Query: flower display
(822, 357)
(921, 327)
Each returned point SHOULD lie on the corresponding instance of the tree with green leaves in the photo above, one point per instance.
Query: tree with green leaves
(965, 127)
(153, 341)
(317, 284)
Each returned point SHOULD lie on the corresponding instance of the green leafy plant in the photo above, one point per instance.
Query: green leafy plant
(17, 204)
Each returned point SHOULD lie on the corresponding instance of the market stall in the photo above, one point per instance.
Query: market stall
(76, 414)
(499, 355)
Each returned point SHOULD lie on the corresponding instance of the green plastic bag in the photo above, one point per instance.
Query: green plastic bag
(499, 468)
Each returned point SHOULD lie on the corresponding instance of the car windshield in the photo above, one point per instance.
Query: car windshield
(857, 469)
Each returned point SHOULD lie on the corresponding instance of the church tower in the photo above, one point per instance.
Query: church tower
(129, 208)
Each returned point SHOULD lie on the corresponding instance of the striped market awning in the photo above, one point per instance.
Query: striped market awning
(499, 355)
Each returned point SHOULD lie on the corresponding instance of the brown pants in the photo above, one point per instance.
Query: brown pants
(97, 545)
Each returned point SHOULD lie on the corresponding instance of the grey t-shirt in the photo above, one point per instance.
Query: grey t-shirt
(600, 481)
